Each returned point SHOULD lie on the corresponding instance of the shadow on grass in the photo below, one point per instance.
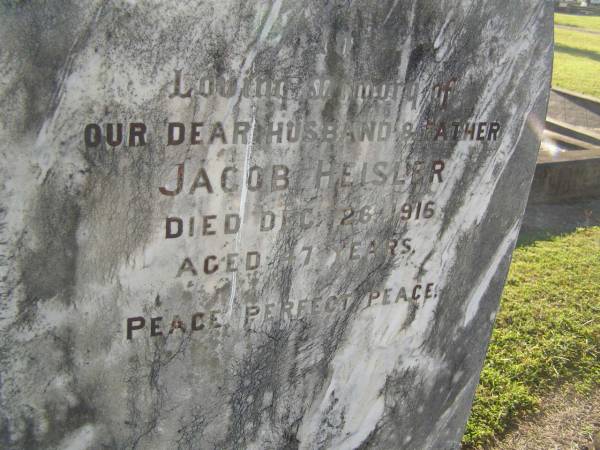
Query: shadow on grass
(547, 221)
(527, 237)
(530, 237)
(577, 52)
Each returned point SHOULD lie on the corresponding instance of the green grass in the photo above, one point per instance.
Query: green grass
(577, 61)
(570, 20)
(547, 332)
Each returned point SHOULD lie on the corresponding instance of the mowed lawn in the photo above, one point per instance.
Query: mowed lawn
(577, 54)
(547, 333)
(571, 20)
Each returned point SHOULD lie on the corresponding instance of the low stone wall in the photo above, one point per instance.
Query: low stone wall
(570, 175)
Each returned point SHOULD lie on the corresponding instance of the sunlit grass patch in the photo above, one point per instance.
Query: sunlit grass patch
(577, 61)
(547, 332)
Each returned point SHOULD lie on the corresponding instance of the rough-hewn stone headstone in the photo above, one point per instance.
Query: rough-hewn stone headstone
(259, 224)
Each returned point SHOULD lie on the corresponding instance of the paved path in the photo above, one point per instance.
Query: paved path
(563, 108)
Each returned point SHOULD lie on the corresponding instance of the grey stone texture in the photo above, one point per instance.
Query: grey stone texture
(350, 242)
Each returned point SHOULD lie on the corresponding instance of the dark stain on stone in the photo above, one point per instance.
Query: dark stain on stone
(42, 34)
(76, 417)
(192, 431)
(218, 54)
(417, 57)
(255, 377)
(49, 260)
(290, 439)
(4, 432)
(28, 441)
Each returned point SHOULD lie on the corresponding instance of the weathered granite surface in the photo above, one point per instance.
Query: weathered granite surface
(365, 322)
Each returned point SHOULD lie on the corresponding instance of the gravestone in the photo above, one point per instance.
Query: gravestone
(263, 225)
